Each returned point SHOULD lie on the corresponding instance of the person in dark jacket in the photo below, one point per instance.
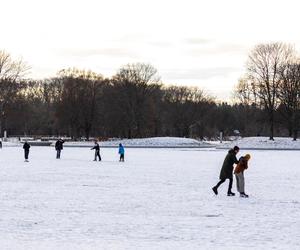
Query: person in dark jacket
(227, 169)
(26, 147)
(121, 152)
(59, 147)
(97, 151)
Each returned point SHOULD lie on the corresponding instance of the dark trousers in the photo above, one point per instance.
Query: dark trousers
(229, 186)
(97, 154)
(26, 152)
(58, 154)
(121, 157)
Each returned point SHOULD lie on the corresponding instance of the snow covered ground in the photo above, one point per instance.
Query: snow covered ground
(154, 142)
(157, 199)
(263, 143)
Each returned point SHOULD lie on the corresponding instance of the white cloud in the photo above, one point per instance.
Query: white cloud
(195, 36)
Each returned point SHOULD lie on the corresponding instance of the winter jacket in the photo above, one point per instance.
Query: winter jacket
(241, 166)
(121, 150)
(59, 145)
(96, 147)
(26, 146)
(227, 168)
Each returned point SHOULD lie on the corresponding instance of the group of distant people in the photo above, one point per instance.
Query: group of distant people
(97, 152)
(228, 170)
(59, 147)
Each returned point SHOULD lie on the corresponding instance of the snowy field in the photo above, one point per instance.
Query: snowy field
(263, 143)
(157, 199)
(153, 142)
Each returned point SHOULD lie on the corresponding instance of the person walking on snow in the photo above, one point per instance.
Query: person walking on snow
(26, 147)
(121, 152)
(239, 174)
(227, 169)
(97, 151)
(59, 147)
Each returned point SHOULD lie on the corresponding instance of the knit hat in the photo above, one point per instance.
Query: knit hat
(247, 156)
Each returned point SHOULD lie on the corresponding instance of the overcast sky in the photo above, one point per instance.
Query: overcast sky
(201, 43)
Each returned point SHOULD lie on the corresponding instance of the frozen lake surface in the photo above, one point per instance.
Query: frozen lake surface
(157, 199)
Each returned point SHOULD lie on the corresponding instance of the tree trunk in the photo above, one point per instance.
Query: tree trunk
(294, 122)
(290, 129)
(129, 133)
(295, 135)
(87, 133)
(271, 126)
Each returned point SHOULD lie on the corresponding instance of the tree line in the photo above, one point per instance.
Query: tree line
(272, 83)
(134, 103)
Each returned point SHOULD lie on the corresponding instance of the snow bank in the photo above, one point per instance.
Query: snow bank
(11, 144)
(260, 143)
(279, 143)
(155, 142)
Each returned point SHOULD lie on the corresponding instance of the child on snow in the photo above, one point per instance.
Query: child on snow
(121, 152)
(239, 174)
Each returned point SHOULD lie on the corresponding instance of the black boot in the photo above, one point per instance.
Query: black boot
(230, 193)
(215, 189)
(243, 195)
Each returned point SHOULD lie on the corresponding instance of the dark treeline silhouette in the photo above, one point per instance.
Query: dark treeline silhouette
(272, 83)
(134, 103)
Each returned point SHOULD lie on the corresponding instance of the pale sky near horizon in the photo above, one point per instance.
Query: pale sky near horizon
(192, 42)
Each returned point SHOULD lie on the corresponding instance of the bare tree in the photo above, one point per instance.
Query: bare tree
(243, 93)
(186, 108)
(80, 100)
(136, 84)
(289, 95)
(12, 69)
(264, 64)
(11, 72)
